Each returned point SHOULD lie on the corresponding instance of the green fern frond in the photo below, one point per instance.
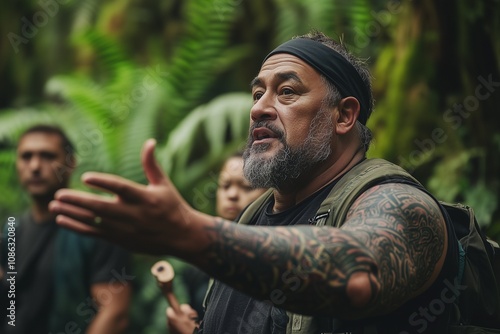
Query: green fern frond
(359, 12)
(143, 124)
(329, 17)
(113, 67)
(334, 18)
(290, 18)
(191, 68)
(81, 92)
(205, 137)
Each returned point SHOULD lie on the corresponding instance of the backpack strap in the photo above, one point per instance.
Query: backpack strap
(349, 187)
(249, 213)
(352, 184)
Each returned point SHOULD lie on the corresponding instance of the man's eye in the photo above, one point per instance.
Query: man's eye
(286, 91)
(257, 96)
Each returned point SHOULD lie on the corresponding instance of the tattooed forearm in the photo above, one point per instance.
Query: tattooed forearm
(308, 268)
(391, 242)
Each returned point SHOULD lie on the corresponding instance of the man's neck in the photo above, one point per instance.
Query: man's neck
(40, 211)
(286, 198)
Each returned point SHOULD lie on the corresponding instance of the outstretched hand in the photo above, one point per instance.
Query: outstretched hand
(148, 219)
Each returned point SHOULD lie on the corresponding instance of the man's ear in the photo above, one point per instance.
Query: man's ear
(348, 113)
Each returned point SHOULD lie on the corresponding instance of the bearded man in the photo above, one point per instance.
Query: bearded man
(279, 270)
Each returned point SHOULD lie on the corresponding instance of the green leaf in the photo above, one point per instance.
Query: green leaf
(483, 201)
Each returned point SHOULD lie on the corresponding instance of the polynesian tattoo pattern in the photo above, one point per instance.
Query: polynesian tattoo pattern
(394, 233)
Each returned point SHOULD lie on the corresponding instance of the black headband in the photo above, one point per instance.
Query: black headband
(333, 66)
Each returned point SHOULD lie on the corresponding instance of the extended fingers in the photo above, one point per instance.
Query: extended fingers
(77, 213)
(85, 206)
(77, 226)
(106, 229)
(88, 221)
(127, 190)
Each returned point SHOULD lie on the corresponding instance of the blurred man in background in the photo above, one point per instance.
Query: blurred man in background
(65, 282)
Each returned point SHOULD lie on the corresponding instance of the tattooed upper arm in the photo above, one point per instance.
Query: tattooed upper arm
(405, 231)
(390, 249)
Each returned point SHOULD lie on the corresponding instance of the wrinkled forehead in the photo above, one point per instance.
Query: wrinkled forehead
(285, 67)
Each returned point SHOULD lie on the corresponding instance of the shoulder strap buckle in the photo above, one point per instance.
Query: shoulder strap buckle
(320, 218)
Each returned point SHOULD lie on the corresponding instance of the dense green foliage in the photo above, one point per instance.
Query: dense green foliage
(114, 73)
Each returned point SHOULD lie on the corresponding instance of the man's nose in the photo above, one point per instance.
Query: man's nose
(35, 163)
(263, 109)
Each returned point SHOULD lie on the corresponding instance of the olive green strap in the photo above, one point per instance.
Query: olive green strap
(248, 214)
(360, 178)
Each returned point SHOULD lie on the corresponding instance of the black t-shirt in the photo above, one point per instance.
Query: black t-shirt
(230, 311)
(34, 289)
(36, 267)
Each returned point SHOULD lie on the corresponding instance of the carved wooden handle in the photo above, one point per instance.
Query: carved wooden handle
(164, 274)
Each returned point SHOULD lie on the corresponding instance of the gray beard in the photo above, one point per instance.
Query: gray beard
(289, 163)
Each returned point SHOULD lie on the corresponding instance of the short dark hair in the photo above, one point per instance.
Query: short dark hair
(67, 145)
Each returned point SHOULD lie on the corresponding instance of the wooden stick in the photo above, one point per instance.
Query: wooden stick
(164, 274)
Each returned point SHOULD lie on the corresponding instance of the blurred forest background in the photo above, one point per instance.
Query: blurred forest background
(114, 73)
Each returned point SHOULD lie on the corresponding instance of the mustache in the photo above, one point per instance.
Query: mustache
(268, 125)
